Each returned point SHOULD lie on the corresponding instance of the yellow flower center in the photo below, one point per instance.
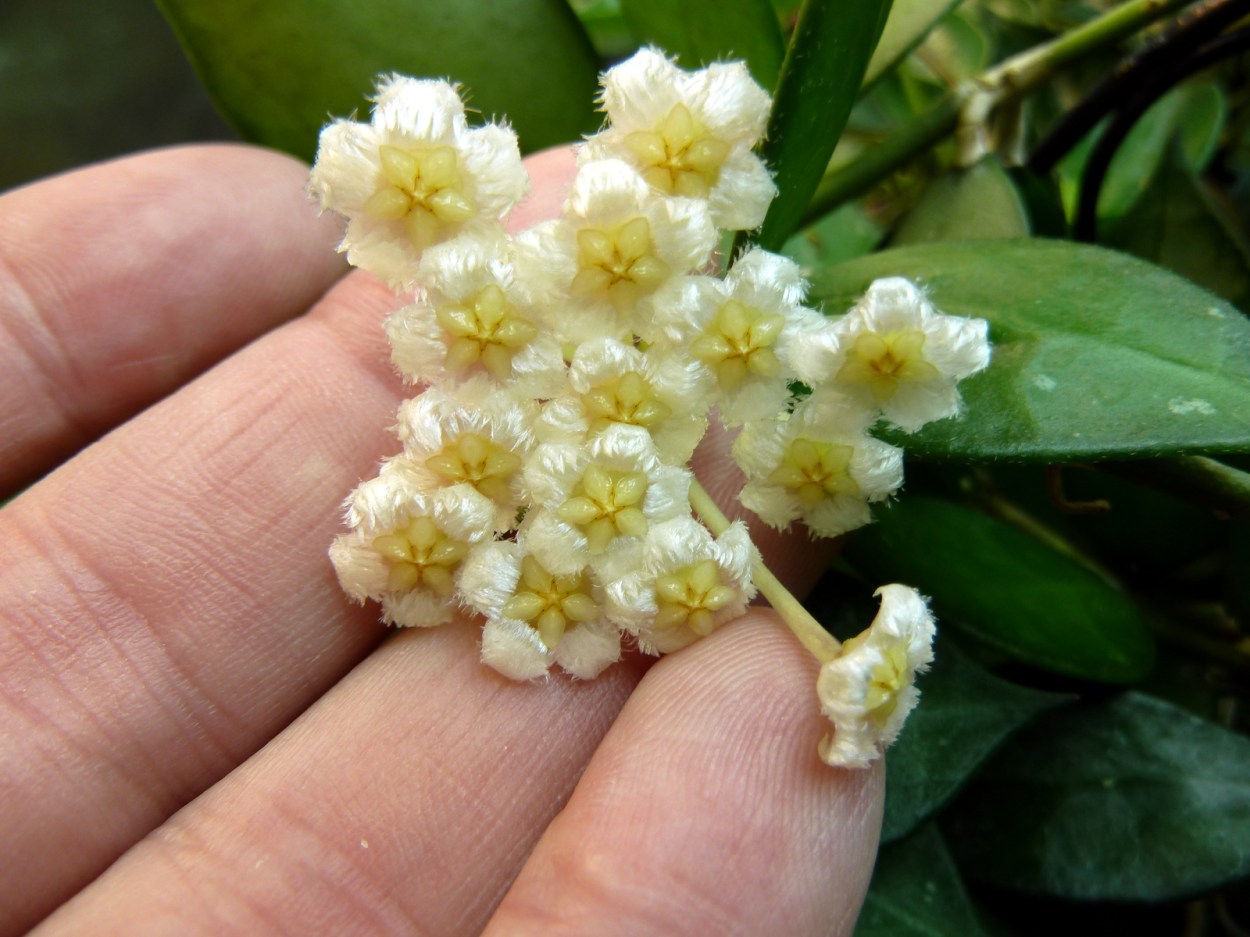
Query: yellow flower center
(679, 157)
(629, 398)
(738, 342)
(619, 264)
(605, 504)
(692, 596)
(474, 459)
(420, 554)
(815, 470)
(423, 188)
(487, 329)
(550, 604)
(884, 361)
(886, 680)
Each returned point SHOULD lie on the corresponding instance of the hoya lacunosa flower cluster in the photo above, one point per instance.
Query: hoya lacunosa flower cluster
(570, 371)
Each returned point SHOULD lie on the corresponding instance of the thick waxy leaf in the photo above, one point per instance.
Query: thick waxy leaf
(819, 82)
(606, 26)
(1203, 116)
(700, 32)
(974, 204)
(909, 22)
(1131, 799)
(1135, 162)
(916, 892)
(1096, 354)
(964, 715)
(278, 70)
(1179, 226)
(841, 235)
(1007, 589)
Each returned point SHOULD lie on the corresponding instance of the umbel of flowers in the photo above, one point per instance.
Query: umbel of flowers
(569, 372)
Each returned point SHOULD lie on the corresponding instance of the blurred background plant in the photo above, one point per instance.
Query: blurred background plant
(1080, 762)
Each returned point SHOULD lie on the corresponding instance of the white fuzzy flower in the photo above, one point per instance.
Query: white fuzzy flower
(868, 690)
(820, 466)
(593, 500)
(740, 331)
(616, 244)
(613, 383)
(690, 133)
(894, 351)
(415, 176)
(471, 319)
(477, 435)
(686, 584)
(535, 618)
(407, 549)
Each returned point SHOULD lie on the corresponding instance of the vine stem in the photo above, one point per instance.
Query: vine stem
(824, 646)
(970, 105)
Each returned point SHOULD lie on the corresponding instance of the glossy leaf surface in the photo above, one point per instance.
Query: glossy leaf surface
(1097, 355)
(1128, 799)
(279, 70)
(1007, 589)
(699, 32)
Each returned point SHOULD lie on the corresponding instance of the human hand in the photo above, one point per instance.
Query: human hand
(186, 694)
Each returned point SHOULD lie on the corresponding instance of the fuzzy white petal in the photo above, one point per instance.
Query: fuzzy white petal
(897, 646)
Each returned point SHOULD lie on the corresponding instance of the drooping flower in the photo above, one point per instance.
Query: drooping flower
(819, 466)
(868, 690)
(408, 545)
(535, 618)
(690, 134)
(896, 353)
(685, 585)
(739, 330)
(416, 175)
(614, 247)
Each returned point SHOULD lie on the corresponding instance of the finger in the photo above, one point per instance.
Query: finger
(164, 613)
(404, 801)
(120, 282)
(166, 604)
(706, 809)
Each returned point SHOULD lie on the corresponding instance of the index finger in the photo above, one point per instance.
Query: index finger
(121, 282)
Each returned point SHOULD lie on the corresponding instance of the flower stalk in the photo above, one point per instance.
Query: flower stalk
(969, 107)
(823, 646)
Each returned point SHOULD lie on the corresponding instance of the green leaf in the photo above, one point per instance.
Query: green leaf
(1180, 226)
(1007, 589)
(1135, 161)
(1097, 355)
(1129, 799)
(699, 32)
(1203, 116)
(278, 70)
(965, 713)
(841, 235)
(909, 22)
(916, 892)
(605, 24)
(974, 204)
(819, 82)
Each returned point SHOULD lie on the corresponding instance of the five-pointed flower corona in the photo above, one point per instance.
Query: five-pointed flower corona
(898, 355)
(868, 690)
(416, 175)
(690, 134)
